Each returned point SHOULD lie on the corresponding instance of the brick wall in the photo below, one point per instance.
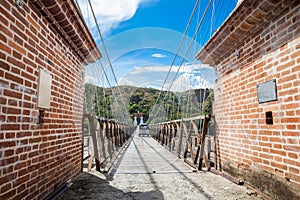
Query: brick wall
(267, 157)
(35, 159)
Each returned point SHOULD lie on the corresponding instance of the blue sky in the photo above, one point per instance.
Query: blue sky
(145, 34)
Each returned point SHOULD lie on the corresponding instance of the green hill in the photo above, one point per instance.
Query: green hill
(127, 101)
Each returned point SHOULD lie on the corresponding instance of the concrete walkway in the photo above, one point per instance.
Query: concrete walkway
(145, 155)
(146, 170)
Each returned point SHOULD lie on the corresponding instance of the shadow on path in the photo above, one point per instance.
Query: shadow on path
(200, 189)
(91, 186)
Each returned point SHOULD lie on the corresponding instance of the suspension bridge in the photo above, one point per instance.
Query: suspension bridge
(71, 106)
(172, 163)
(185, 138)
(179, 150)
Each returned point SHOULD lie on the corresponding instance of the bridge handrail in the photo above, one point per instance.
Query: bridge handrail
(185, 137)
(185, 119)
(108, 136)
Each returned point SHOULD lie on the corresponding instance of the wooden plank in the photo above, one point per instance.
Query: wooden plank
(188, 142)
(215, 145)
(208, 153)
(95, 143)
(196, 129)
(199, 146)
(176, 121)
(180, 139)
(172, 146)
(176, 136)
(206, 161)
(102, 138)
(170, 136)
(204, 131)
(122, 132)
(165, 132)
(118, 135)
(194, 118)
(90, 163)
(82, 139)
(109, 139)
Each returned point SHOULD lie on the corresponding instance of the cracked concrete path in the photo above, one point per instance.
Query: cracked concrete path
(146, 170)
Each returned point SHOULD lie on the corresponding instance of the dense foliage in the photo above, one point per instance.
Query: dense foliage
(129, 101)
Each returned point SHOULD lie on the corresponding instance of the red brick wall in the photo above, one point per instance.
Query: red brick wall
(265, 156)
(35, 159)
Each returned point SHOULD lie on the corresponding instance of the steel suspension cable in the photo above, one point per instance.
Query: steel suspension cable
(107, 55)
(190, 44)
(196, 32)
(107, 79)
(178, 49)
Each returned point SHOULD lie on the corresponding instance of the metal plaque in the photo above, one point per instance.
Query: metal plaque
(267, 91)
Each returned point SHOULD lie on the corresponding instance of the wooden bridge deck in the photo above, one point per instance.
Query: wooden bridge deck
(147, 170)
(146, 155)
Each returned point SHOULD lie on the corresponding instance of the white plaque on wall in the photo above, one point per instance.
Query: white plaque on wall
(44, 89)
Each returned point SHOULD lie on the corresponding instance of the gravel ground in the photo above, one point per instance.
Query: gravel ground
(145, 171)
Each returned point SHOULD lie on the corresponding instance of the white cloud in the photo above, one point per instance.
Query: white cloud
(189, 77)
(165, 68)
(110, 13)
(158, 55)
(124, 81)
(91, 79)
(138, 70)
(189, 81)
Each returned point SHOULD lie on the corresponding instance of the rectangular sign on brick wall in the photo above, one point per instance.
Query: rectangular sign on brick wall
(44, 91)
(267, 91)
